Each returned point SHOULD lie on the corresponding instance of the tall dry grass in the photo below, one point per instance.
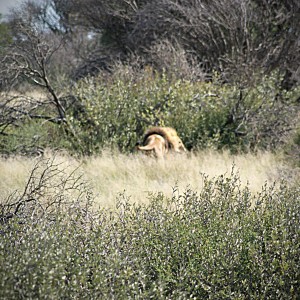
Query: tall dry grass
(112, 174)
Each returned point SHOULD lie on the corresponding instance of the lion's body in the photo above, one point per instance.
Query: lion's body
(160, 141)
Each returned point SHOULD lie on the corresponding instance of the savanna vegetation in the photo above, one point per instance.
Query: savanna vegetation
(82, 216)
(221, 242)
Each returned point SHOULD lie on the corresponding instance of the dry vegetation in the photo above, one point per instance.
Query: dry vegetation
(213, 239)
(81, 222)
(137, 175)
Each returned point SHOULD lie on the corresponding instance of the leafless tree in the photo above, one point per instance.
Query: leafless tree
(70, 39)
(50, 189)
(233, 37)
(28, 59)
(31, 59)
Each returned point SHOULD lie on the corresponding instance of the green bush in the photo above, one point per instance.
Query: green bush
(115, 113)
(219, 243)
(31, 137)
(292, 149)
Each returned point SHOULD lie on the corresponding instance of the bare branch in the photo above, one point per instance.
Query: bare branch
(49, 189)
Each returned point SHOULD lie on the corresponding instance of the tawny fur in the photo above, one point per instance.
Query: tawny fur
(154, 144)
(161, 140)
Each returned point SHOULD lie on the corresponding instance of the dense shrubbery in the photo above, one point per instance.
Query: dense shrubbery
(205, 114)
(114, 113)
(292, 149)
(220, 243)
(169, 78)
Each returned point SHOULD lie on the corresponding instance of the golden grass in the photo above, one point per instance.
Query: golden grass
(32, 93)
(137, 175)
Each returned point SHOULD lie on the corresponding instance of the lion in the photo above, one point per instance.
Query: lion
(160, 141)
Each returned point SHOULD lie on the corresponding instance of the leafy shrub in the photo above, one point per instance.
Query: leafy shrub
(292, 149)
(114, 112)
(117, 112)
(219, 243)
(31, 137)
